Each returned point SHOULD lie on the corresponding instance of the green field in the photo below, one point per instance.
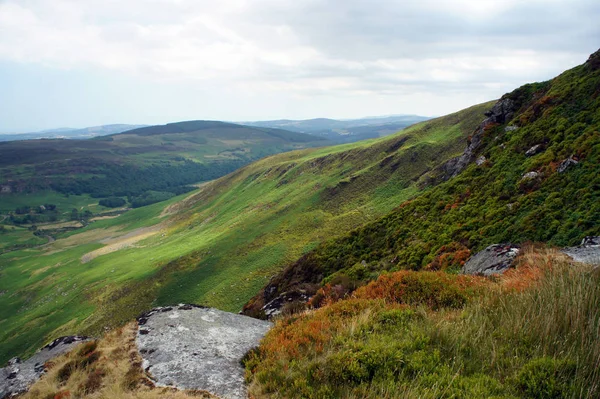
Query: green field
(222, 244)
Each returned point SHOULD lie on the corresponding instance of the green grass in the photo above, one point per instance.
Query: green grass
(485, 204)
(539, 341)
(225, 242)
(9, 202)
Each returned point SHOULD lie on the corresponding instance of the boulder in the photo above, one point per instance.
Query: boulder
(530, 175)
(566, 164)
(534, 150)
(480, 160)
(495, 259)
(587, 252)
(19, 375)
(193, 347)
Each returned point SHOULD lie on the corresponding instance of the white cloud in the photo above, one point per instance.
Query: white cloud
(309, 47)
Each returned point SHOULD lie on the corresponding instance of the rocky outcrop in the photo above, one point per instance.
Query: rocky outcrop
(193, 347)
(566, 164)
(530, 175)
(502, 112)
(19, 375)
(495, 259)
(587, 252)
(536, 149)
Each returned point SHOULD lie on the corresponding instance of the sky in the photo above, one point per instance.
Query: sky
(80, 63)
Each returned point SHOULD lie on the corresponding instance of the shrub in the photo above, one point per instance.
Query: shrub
(433, 289)
(547, 378)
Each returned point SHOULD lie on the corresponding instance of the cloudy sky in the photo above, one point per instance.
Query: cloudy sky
(88, 62)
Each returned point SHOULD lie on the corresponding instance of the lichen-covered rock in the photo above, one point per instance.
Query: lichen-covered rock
(192, 347)
(587, 252)
(495, 259)
(19, 375)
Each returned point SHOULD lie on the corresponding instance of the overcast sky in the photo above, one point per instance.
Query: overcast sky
(81, 63)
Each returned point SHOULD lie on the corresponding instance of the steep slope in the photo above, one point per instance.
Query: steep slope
(536, 178)
(221, 245)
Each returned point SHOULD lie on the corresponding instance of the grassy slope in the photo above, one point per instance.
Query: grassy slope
(485, 204)
(225, 242)
(532, 333)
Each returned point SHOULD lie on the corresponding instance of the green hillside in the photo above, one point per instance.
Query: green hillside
(221, 245)
(391, 317)
(493, 202)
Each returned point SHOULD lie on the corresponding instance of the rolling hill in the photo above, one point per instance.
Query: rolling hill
(70, 133)
(143, 165)
(347, 130)
(235, 233)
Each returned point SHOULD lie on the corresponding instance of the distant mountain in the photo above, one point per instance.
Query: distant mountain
(345, 130)
(70, 133)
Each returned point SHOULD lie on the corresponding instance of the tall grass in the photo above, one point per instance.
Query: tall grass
(553, 313)
(532, 333)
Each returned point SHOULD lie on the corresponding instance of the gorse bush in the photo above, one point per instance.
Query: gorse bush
(430, 335)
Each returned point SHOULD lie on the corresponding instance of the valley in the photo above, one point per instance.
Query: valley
(233, 233)
(357, 250)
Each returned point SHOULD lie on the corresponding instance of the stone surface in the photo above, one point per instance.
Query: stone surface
(530, 175)
(494, 259)
(19, 375)
(534, 150)
(502, 112)
(480, 160)
(192, 347)
(587, 252)
(566, 164)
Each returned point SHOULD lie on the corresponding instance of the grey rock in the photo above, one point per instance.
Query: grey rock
(19, 375)
(566, 164)
(510, 128)
(495, 259)
(275, 306)
(192, 347)
(480, 160)
(534, 150)
(530, 175)
(501, 112)
(587, 252)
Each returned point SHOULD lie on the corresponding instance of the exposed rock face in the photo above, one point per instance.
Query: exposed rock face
(534, 150)
(530, 175)
(495, 259)
(193, 347)
(566, 164)
(502, 112)
(587, 252)
(19, 375)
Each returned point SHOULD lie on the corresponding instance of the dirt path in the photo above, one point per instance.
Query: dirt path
(127, 240)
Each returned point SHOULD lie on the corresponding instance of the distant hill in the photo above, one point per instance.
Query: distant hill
(347, 130)
(70, 133)
(161, 157)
